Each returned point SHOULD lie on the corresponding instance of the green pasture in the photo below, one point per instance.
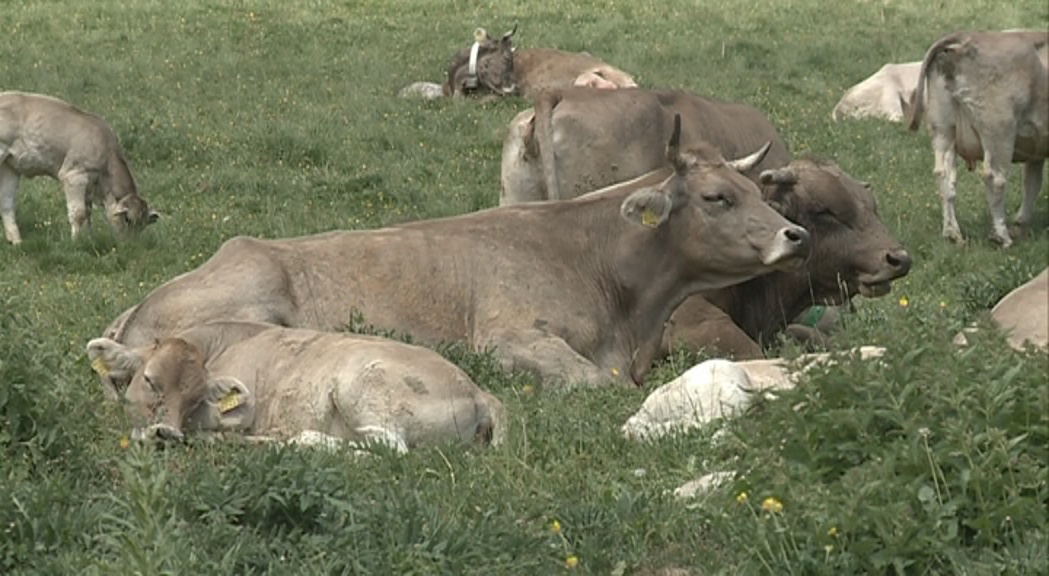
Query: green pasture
(280, 118)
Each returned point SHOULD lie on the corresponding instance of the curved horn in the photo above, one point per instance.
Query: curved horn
(674, 145)
(748, 162)
(510, 33)
(783, 175)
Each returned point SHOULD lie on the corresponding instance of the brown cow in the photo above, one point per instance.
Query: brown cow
(580, 140)
(988, 99)
(574, 291)
(492, 66)
(852, 253)
(41, 135)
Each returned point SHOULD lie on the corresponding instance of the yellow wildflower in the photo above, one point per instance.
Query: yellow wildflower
(833, 531)
(555, 527)
(904, 302)
(943, 304)
(125, 442)
(741, 497)
(571, 562)
(772, 505)
(527, 389)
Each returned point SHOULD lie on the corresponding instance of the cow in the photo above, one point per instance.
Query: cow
(264, 380)
(1023, 314)
(988, 99)
(720, 388)
(491, 66)
(880, 96)
(575, 291)
(41, 135)
(852, 253)
(576, 140)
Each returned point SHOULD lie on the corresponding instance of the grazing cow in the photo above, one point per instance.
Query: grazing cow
(260, 379)
(1023, 314)
(492, 66)
(40, 135)
(580, 140)
(988, 99)
(574, 291)
(880, 96)
(852, 253)
(718, 389)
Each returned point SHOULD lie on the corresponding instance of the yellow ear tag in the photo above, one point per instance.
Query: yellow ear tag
(99, 366)
(649, 218)
(231, 400)
(480, 34)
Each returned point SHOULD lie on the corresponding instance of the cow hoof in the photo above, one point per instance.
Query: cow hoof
(1001, 241)
(955, 236)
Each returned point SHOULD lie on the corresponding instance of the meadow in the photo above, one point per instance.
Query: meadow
(273, 118)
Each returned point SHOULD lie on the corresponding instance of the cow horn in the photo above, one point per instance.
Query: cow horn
(784, 175)
(747, 162)
(674, 145)
(510, 33)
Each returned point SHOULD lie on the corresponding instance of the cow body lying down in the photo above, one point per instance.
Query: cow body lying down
(575, 292)
(40, 135)
(260, 379)
(1022, 314)
(717, 389)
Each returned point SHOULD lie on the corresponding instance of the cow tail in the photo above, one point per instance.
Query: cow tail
(544, 113)
(917, 103)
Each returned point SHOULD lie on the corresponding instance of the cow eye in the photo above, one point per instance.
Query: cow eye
(719, 198)
(825, 213)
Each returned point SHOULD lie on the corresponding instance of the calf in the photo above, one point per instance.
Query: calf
(988, 99)
(880, 96)
(260, 379)
(40, 135)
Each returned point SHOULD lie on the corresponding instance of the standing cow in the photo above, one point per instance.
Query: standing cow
(40, 135)
(988, 99)
(261, 379)
(579, 140)
(574, 291)
(492, 66)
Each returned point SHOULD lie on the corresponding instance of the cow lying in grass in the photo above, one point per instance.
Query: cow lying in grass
(883, 95)
(263, 380)
(491, 66)
(40, 135)
(1023, 315)
(574, 292)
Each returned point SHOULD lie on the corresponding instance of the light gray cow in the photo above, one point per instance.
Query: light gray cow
(41, 135)
(882, 95)
(574, 291)
(988, 99)
(283, 383)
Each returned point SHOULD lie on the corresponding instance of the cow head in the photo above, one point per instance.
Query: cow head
(485, 67)
(171, 391)
(852, 250)
(716, 218)
(132, 213)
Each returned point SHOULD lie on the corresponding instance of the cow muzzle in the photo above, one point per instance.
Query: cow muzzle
(158, 434)
(896, 265)
(789, 250)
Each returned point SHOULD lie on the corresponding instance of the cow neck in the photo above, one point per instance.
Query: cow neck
(118, 182)
(763, 306)
(648, 288)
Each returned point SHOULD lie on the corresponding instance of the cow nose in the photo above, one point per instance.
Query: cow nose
(899, 261)
(797, 237)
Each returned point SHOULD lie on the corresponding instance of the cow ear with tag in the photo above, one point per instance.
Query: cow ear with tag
(231, 404)
(113, 362)
(648, 207)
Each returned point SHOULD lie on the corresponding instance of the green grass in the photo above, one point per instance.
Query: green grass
(280, 118)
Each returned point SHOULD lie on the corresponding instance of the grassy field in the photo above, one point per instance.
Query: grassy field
(275, 118)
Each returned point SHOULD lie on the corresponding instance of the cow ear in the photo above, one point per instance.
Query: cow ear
(648, 207)
(778, 189)
(231, 402)
(110, 356)
(153, 217)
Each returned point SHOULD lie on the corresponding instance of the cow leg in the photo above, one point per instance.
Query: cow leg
(1032, 186)
(8, 202)
(550, 358)
(79, 211)
(997, 156)
(946, 176)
